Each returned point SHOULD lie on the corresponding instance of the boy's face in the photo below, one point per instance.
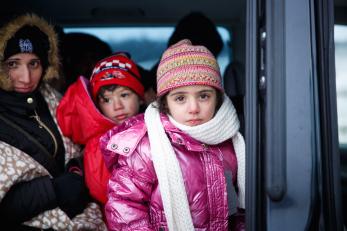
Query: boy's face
(119, 104)
(192, 105)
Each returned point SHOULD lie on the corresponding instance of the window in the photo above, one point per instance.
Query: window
(146, 44)
(341, 80)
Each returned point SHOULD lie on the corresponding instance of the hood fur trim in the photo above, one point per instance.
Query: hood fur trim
(10, 29)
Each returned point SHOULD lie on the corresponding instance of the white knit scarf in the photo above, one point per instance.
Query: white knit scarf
(224, 125)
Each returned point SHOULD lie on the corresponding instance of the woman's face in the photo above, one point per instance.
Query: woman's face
(119, 104)
(192, 105)
(25, 71)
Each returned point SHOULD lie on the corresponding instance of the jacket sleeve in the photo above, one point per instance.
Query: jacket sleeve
(27, 199)
(129, 192)
(95, 171)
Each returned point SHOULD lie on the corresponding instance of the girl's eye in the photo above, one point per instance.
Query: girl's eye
(204, 96)
(179, 98)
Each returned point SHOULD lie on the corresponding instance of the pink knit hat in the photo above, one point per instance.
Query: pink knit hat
(184, 64)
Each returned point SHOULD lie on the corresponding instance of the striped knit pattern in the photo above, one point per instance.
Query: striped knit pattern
(183, 64)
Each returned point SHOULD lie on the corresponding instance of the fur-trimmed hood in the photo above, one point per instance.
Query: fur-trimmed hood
(10, 29)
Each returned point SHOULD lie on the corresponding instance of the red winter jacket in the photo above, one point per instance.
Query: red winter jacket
(80, 120)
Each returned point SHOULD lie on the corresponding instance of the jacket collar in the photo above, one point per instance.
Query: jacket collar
(18, 103)
(78, 116)
(178, 137)
(125, 138)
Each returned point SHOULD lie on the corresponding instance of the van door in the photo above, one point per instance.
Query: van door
(291, 117)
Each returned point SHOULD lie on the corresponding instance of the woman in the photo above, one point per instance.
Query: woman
(41, 183)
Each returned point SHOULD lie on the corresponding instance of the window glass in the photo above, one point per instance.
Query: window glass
(341, 80)
(146, 44)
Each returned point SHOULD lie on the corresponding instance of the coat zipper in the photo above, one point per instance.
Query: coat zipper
(43, 125)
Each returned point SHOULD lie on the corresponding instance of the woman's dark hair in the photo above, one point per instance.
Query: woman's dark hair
(162, 102)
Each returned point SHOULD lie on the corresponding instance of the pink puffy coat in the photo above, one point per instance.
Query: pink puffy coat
(134, 200)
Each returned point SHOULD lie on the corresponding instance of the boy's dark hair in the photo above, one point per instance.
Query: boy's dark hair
(162, 102)
(103, 89)
(113, 87)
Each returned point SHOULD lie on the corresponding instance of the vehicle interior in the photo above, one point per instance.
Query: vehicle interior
(229, 15)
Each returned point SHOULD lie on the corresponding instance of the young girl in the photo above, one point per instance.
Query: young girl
(89, 109)
(175, 168)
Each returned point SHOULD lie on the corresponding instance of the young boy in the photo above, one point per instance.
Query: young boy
(90, 108)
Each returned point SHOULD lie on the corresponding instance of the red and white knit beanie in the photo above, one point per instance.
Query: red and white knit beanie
(116, 69)
(184, 64)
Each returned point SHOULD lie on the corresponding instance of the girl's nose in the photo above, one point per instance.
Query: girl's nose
(194, 107)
